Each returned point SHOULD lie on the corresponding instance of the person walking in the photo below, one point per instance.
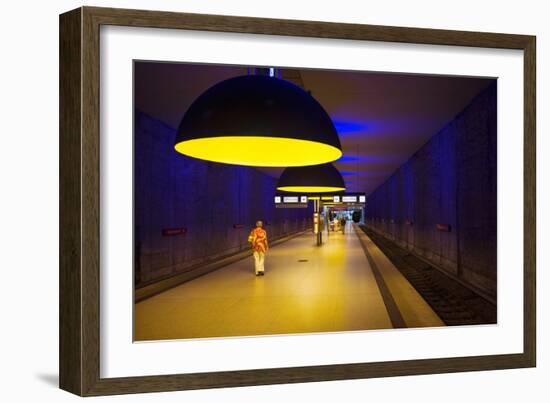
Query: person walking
(258, 239)
(343, 224)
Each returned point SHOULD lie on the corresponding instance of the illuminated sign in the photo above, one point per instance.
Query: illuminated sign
(290, 199)
(351, 199)
(282, 201)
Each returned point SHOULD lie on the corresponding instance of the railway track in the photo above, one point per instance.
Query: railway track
(453, 302)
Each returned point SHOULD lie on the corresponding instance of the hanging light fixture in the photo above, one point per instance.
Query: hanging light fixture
(311, 179)
(258, 120)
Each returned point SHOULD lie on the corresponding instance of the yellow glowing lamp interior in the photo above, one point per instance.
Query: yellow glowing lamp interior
(259, 151)
(310, 189)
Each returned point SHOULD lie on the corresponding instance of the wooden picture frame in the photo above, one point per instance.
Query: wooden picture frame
(80, 184)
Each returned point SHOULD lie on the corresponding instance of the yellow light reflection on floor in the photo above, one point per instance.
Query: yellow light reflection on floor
(310, 189)
(306, 288)
(331, 289)
(259, 151)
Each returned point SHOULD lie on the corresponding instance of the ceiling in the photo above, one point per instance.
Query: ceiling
(381, 118)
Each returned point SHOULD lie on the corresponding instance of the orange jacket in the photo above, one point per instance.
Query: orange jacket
(259, 240)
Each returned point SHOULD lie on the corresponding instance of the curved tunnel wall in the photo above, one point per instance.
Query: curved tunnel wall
(442, 203)
(172, 191)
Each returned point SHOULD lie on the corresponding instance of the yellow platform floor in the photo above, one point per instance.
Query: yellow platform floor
(305, 289)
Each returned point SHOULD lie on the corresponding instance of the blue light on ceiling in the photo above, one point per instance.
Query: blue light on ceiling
(348, 173)
(387, 127)
(344, 127)
(373, 159)
(350, 158)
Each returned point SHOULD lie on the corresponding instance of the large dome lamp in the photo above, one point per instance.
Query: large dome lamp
(315, 179)
(258, 120)
(311, 179)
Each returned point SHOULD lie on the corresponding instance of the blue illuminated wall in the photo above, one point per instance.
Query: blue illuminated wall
(208, 199)
(451, 180)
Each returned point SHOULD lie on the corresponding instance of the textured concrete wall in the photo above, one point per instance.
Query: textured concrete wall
(208, 199)
(451, 180)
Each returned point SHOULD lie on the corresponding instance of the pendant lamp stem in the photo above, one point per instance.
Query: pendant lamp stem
(317, 222)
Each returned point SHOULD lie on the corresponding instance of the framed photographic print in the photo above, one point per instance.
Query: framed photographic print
(249, 201)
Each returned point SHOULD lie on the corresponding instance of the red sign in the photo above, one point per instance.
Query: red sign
(443, 227)
(174, 231)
